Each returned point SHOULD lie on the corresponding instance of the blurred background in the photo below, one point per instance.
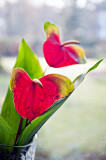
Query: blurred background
(77, 131)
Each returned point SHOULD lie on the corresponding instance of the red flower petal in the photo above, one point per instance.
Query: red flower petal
(57, 54)
(31, 98)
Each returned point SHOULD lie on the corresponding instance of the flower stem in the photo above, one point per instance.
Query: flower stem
(45, 70)
(26, 123)
(19, 127)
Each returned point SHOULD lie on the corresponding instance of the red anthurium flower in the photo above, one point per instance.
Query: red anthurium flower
(33, 97)
(60, 55)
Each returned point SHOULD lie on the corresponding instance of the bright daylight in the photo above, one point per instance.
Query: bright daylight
(52, 79)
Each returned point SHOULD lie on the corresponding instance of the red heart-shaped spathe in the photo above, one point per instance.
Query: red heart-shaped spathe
(57, 54)
(31, 98)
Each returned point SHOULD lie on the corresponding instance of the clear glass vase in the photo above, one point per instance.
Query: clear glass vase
(26, 152)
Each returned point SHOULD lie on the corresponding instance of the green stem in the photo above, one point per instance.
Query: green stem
(26, 123)
(45, 70)
(19, 127)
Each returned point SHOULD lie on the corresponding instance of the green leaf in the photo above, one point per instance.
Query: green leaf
(7, 134)
(36, 124)
(95, 66)
(81, 77)
(27, 60)
(78, 80)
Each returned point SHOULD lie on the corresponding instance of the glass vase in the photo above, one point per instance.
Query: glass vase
(26, 152)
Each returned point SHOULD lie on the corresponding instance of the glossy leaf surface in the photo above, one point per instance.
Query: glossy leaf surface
(31, 99)
(27, 60)
(58, 54)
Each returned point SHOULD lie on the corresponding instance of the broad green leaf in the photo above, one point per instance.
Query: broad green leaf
(36, 124)
(27, 60)
(7, 134)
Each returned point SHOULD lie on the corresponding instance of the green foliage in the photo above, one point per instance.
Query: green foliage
(95, 66)
(27, 60)
(36, 124)
(7, 134)
(9, 119)
(81, 77)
